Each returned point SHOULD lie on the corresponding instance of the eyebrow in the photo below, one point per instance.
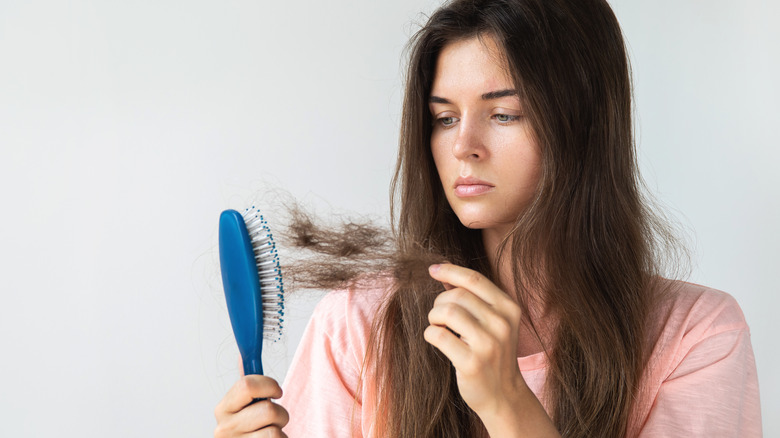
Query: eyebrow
(487, 96)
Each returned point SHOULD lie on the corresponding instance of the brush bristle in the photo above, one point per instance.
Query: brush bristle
(269, 271)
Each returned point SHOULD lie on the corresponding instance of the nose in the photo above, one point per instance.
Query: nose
(469, 144)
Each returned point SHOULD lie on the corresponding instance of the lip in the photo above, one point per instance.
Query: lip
(471, 186)
(471, 181)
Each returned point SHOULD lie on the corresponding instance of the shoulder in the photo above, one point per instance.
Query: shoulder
(692, 312)
(694, 325)
(346, 316)
(328, 364)
(356, 303)
(700, 378)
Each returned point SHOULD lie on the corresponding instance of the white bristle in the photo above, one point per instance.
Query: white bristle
(270, 272)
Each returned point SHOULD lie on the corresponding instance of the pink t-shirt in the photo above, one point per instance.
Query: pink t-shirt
(701, 380)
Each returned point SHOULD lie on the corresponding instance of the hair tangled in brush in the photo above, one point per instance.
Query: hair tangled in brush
(346, 253)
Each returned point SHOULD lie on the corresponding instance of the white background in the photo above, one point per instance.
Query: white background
(126, 127)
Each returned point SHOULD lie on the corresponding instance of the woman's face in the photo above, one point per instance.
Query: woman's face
(483, 147)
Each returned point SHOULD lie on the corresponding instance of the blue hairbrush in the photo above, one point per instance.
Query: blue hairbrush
(252, 279)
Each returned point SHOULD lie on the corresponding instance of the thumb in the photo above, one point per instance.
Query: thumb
(447, 286)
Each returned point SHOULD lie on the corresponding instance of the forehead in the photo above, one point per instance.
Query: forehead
(471, 63)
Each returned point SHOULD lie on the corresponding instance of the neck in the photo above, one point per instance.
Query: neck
(491, 239)
(537, 315)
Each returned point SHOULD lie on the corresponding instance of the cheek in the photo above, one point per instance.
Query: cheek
(532, 174)
(523, 169)
(535, 165)
(439, 158)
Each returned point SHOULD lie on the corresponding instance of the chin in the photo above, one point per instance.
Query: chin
(473, 226)
(483, 221)
(474, 223)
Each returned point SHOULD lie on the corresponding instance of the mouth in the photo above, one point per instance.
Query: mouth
(470, 186)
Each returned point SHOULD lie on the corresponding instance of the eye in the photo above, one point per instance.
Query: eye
(506, 118)
(446, 121)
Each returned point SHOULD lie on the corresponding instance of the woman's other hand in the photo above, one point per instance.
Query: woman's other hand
(237, 416)
(476, 325)
(483, 347)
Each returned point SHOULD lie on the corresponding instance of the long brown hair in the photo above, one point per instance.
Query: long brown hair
(587, 246)
(585, 242)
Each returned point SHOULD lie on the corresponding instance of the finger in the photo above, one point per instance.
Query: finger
(267, 432)
(456, 318)
(447, 286)
(245, 390)
(489, 323)
(449, 344)
(259, 416)
(475, 282)
(481, 310)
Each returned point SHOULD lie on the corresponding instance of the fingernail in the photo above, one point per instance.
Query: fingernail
(434, 268)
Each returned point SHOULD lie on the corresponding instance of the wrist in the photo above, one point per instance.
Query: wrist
(519, 413)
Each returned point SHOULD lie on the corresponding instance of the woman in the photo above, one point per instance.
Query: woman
(550, 317)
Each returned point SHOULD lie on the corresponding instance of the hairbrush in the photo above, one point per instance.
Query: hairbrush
(252, 280)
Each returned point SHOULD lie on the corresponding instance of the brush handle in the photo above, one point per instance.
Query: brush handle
(242, 289)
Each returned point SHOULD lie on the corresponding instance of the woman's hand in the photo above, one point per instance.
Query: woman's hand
(237, 416)
(476, 325)
(484, 351)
